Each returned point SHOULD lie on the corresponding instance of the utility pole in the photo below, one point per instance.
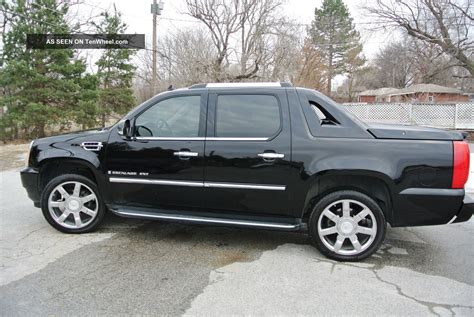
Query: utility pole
(156, 9)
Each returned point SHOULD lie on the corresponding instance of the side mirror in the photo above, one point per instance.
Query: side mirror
(127, 129)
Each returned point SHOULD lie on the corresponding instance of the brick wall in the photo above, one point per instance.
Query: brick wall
(366, 98)
(439, 98)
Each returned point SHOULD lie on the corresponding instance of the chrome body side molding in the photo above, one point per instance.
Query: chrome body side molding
(156, 138)
(433, 192)
(129, 180)
(244, 186)
(152, 138)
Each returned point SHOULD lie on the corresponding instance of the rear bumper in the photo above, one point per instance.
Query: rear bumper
(29, 180)
(467, 209)
(428, 206)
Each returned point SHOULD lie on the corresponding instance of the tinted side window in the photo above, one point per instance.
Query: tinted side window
(247, 116)
(174, 117)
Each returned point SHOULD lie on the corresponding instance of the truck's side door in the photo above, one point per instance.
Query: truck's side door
(162, 165)
(248, 151)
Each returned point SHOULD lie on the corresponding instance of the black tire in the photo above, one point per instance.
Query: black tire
(333, 198)
(90, 185)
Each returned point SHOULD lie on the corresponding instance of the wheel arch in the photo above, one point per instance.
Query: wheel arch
(373, 184)
(53, 167)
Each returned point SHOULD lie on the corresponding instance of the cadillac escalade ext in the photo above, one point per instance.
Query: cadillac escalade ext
(262, 155)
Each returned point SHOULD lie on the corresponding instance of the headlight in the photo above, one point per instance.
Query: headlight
(29, 153)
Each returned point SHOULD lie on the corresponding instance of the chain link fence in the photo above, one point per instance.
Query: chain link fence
(449, 116)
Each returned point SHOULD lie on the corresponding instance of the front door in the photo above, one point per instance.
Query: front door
(162, 166)
(248, 152)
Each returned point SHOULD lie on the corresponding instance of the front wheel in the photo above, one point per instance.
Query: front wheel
(347, 226)
(72, 204)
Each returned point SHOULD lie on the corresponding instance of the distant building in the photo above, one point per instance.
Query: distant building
(377, 95)
(416, 93)
(470, 96)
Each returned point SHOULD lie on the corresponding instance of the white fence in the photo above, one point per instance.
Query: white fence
(450, 116)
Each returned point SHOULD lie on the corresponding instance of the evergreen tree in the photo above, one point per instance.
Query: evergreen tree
(114, 70)
(87, 111)
(41, 86)
(333, 34)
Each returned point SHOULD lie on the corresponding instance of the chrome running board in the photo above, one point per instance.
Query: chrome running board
(204, 219)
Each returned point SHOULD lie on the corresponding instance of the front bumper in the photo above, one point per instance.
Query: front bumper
(467, 209)
(29, 180)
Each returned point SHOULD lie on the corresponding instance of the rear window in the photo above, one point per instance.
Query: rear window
(247, 116)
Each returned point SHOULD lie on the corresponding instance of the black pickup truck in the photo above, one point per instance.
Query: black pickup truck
(263, 155)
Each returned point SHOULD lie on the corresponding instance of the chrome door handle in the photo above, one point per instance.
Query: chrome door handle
(185, 154)
(271, 155)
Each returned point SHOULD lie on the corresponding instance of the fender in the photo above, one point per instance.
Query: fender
(45, 152)
(81, 156)
(375, 184)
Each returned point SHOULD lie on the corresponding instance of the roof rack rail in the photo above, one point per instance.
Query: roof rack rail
(236, 85)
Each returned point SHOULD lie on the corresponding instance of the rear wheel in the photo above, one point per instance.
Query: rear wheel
(347, 226)
(72, 204)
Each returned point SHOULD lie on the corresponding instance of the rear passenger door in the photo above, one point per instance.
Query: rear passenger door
(247, 151)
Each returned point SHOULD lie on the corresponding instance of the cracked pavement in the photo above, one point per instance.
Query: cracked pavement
(159, 268)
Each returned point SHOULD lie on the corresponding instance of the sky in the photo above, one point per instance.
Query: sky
(137, 15)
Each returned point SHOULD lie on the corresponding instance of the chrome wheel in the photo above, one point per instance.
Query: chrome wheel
(347, 227)
(73, 205)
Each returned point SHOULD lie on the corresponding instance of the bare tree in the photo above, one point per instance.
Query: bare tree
(241, 30)
(222, 19)
(394, 65)
(445, 23)
(187, 57)
(184, 58)
(313, 69)
(239, 40)
(142, 83)
(284, 51)
(257, 21)
(432, 66)
(410, 61)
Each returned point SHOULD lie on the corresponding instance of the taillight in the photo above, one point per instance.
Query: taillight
(460, 164)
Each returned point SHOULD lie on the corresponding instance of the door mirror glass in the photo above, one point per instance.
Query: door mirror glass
(127, 129)
(143, 131)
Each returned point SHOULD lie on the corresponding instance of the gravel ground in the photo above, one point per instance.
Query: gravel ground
(13, 156)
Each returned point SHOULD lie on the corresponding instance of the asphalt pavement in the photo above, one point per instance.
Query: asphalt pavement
(159, 268)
